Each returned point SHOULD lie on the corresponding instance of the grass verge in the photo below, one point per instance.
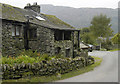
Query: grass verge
(115, 50)
(63, 76)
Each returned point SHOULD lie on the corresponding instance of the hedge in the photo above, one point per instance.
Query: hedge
(43, 68)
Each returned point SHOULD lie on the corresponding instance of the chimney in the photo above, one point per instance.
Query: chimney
(34, 7)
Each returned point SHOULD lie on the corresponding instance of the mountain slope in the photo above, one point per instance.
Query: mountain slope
(81, 17)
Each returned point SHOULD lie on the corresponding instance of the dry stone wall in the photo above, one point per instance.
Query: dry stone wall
(44, 68)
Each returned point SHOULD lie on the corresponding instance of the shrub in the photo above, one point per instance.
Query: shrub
(18, 60)
(29, 53)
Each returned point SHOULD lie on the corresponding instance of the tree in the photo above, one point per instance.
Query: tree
(116, 38)
(86, 36)
(101, 26)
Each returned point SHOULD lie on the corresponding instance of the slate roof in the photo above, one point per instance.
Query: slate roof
(17, 14)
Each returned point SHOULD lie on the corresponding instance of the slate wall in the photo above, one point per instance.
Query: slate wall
(11, 44)
(0, 37)
(44, 43)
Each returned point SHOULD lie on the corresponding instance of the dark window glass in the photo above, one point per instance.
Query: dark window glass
(67, 35)
(58, 35)
(32, 33)
(62, 35)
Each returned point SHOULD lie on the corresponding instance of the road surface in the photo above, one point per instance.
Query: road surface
(106, 72)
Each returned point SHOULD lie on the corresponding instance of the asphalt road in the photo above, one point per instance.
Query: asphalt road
(106, 72)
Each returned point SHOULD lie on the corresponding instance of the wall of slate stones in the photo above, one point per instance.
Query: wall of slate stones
(0, 37)
(43, 68)
(44, 43)
(0, 31)
(64, 45)
(11, 44)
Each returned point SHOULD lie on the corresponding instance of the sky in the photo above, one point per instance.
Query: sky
(71, 3)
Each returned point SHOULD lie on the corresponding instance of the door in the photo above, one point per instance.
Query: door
(67, 52)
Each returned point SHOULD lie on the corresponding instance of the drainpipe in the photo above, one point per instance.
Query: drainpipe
(78, 39)
(26, 33)
(73, 42)
(63, 35)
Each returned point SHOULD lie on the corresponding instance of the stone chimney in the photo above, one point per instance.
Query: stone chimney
(34, 7)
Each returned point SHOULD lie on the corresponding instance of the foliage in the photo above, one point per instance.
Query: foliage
(107, 44)
(116, 38)
(28, 56)
(25, 59)
(85, 30)
(101, 26)
(29, 53)
(18, 60)
(87, 36)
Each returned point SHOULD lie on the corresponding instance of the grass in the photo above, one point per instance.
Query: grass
(115, 49)
(63, 76)
(102, 49)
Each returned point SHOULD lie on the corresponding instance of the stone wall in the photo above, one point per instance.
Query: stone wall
(0, 37)
(11, 44)
(44, 42)
(43, 68)
(64, 45)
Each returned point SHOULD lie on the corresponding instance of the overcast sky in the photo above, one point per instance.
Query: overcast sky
(70, 3)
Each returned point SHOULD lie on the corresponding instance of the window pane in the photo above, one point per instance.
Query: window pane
(32, 33)
(17, 31)
(13, 31)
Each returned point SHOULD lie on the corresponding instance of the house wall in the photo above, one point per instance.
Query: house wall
(0, 37)
(44, 42)
(64, 45)
(11, 45)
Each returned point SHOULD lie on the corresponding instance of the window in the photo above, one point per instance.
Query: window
(13, 31)
(32, 34)
(58, 35)
(67, 52)
(16, 31)
(67, 35)
(62, 35)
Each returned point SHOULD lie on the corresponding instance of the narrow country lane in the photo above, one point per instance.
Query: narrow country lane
(106, 72)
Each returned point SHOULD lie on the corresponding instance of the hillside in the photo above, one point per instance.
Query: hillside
(81, 17)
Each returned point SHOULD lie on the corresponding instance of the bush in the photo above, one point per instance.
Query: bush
(26, 59)
(107, 44)
(18, 60)
(29, 53)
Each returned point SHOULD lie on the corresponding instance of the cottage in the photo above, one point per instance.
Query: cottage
(29, 29)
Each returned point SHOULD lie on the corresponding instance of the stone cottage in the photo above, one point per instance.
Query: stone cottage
(29, 29)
